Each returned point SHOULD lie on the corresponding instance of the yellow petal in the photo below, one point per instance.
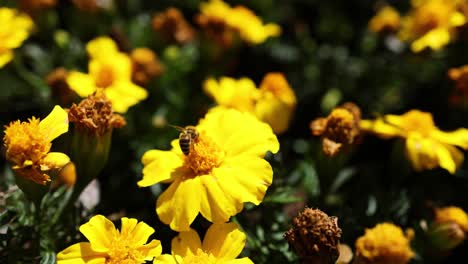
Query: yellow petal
(239, 133)
(240, 261)
(457, 19)
(216, 205)
(445, 159)
(165, 259)
(161, 166)
(224, 240)
(83, 84)
(5, 57)
(434, 39)
(187, 242)
(54, 160)
(101, 47)
(138, 232)
(458, 137)
(180, 203)
(245, 178)
(80, 253)
(124, 94)
(151, 250)
(55, 124)
(380, 128)
(99, 231)
(275, 113)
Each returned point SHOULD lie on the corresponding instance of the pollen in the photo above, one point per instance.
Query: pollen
(25, 144)
(201, 257)
(204, 156)
(123, 251)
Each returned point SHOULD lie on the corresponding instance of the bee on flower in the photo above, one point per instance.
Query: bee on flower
(224, 168)
(274, 102)
(15, 29)
(222, 243)
(28, 145)
(426, 146)
(111, 71)
(110, 246)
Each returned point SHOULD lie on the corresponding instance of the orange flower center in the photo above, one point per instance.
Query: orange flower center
(105, 76)
(25, 144)
(417, 121)
(123, 251)
(204, 155)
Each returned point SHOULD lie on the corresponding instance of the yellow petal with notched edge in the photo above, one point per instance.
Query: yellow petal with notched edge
(165, 259)
(83, 84)
(137, 232)
(187, 242)
(5, 57)
(151, 249)
(224, 240)
(216, 205)
(100, 232)
(101, 47)
(458, 137)
(180, 203)
(245, 178)
(380, 128)
(161, 166)
(240, 261)
(54, 160)
(55, 124)
(80, 253)
(239, 133)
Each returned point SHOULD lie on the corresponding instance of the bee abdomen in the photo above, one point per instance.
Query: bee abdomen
(185, 142)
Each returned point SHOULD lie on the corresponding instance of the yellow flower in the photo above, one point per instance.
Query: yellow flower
(243, 20)
(111, 71)
(107, 245)
(14, 30)
(426, 146)
(274, 103)
(431, 23)
(28, 145)
(452, 214)
(224, 169)
(223, 242)
(384, 244)
(387, 19)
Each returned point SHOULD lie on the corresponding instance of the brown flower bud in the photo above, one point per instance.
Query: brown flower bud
(90, 6)
(30, 6)
(94, 115)
(145, 66)
(340, 128)
(315, 237)
(216, 29)
(61, 91)
(172, 25)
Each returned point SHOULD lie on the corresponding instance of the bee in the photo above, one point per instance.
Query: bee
(187, 137)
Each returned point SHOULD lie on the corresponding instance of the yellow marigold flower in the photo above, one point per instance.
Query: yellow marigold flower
(14, 30)
(339, 129)
(431, 23)
(387, 19)
(427, 147)
(110, 246)
(249, 26)
(28, 145)
(274, 103)
(224, 169)
(384, 244)
(111, 71)
(452, 214)
(222, 243)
